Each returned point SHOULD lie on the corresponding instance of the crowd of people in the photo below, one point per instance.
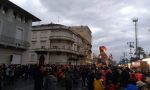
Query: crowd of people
(47, 77)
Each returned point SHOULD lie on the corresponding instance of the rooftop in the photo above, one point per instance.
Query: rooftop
(18, 9)
(44, 25)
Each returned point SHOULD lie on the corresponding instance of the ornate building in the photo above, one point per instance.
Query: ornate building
(85, 33)
(58, 44)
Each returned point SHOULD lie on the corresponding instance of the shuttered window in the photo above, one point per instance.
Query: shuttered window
(19, 34)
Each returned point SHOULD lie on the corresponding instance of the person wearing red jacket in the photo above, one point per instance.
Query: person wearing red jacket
(138, 76)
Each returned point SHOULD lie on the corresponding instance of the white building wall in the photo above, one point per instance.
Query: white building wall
(58, 59)
(53, 57)
(61, 33)
(5, 55)
(61, 44)
(25, 57)
(47, 59)
(38, 39)
(32, 60)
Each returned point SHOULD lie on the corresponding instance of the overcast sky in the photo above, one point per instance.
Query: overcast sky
(109, 20)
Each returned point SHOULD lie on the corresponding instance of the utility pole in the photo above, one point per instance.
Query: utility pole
(135, 20)
(131, 45)
(124, 54)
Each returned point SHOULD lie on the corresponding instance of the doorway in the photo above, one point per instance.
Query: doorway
(41, 60)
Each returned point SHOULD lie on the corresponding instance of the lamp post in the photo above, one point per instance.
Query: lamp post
(135, 20)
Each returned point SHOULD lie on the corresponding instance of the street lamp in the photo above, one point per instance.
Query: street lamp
(135, 20)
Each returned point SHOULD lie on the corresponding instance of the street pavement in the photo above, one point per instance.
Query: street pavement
(28, 85)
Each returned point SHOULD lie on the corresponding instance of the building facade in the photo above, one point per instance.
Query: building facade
(85, 33)
(56, 44)
(15, 30)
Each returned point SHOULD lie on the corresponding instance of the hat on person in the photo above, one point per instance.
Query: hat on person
(140, 83)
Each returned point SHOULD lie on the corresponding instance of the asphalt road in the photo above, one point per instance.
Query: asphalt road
(28, 85)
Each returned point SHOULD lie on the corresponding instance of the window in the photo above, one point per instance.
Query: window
(14, 14)
(32, 57)
(19, 17)
(55, 47)
(33, 44)
(43, 34)
(26, 20)
(16, 59)
(34, 35)
(43, 44)
(19, 33)
(4, 10)
(63, 47)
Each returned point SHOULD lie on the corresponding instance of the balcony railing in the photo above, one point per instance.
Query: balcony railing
(62, 50)
(62, 38)
(13, 42)
(79, 53)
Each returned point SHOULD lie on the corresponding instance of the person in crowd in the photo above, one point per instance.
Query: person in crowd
(98, 85)
(125, 76)
(50, 81)
(11, 76)
(1, 78)
(8, 75)
(37, 78)
(76, 76)
(91, 76)
(141, 85)
(116, 77)
(111, 86)
(132, 75)
(68, 79)
(131, 85)
(83, 74)
(138, 75)
(109, 77)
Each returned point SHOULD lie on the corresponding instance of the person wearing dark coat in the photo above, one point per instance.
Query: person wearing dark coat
(68, 80)
(125, 77)
(91, 77)
(50, 82)
(109, 78)
(37, 78)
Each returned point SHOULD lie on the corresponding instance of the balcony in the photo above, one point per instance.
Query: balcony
(13, 42)
(62, 38)
(62, 50)
(41, 50)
